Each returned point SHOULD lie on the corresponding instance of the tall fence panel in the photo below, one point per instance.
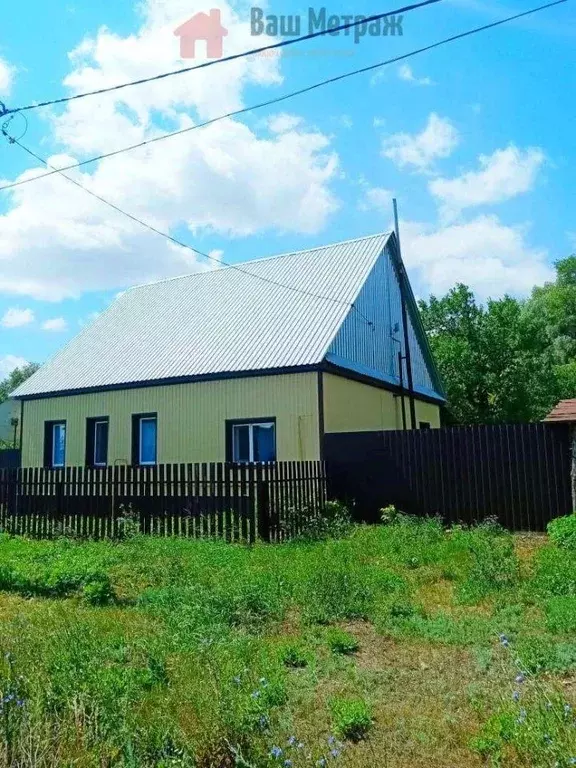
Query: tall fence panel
(235, 502)
(517, 473)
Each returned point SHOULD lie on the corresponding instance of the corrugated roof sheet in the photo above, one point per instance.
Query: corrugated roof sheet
(217, 322)
(564, 411)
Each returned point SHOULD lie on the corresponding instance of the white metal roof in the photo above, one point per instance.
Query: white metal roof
(217, 322)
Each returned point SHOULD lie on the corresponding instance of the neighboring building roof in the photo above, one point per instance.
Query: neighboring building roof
(221, 322)
(564, 411)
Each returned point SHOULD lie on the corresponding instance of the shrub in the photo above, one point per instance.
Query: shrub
(342, 642)
(334, 522)
(352, 718)
(562, 531)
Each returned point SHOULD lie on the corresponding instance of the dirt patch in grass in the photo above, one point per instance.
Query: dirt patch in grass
(420, 696)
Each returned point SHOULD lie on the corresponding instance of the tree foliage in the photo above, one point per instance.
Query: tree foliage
(509, 360)
(14, 379)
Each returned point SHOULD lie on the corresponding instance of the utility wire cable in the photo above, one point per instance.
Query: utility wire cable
(285, 97)
(281, 44)
(178, 242)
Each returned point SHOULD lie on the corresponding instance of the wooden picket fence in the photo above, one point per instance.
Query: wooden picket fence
(235, 502)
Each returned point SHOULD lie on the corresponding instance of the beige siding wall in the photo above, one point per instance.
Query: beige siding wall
(350, 406)
(191, 418)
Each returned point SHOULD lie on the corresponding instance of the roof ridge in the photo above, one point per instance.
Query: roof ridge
(241, 264)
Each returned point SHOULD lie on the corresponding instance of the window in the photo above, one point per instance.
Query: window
(425, 425)
(144, 439)
(55, 444)
(97, 442)
(251, 440)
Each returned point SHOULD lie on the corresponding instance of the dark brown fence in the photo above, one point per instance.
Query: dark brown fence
(237, 502)
(518, 473)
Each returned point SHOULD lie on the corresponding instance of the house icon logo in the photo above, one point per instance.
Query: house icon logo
(202, 26)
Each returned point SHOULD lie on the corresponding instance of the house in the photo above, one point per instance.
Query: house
(202, 26)
(9, 423)
(253, 362)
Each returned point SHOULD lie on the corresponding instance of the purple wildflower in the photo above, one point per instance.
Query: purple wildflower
(516, 696)
(521, 717)
(255, 695)
(291, 741)
(520, 678)
(335, 753)
(275, 752)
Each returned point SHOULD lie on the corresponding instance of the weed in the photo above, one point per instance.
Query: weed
(352, 718)
(562, 531)
(293, 654)
(342, 642)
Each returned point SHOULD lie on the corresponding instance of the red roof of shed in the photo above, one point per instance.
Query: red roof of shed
(564, 411)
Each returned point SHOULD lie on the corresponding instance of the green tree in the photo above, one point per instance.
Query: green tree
(552, 309)
(14, 379)
(493, 359)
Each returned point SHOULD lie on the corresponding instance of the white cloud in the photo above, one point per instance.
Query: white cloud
(7, 72)
(8, 363)
(226, 179)
(502, 175)
(485, 254)
(405, 73)
(15, 318)
(379, 122)
(56, 324)
(376, 199)
(419, 151)
(283, 122)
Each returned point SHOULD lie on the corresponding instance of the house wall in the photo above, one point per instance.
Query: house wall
(191, 418)
(351, 406)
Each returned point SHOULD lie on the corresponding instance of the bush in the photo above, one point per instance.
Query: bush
(352, 718)
(342, 642)
(562, 531)
(334, 522)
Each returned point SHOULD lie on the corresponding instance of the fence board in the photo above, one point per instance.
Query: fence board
(518, 473)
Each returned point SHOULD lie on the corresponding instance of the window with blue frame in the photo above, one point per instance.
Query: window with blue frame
(251, 440)
(145, 439)
(55, 444)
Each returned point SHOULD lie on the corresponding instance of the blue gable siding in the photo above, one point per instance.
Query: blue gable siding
(367, 343)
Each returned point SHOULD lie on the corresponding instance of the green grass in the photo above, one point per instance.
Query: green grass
(399, 645)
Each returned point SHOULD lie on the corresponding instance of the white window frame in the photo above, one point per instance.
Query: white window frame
(58, 425)
(141, 420)
(250, 426)
(95, 446)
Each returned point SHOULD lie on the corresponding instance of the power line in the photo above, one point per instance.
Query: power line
(285, 97)
(179, 243)
(364, 20)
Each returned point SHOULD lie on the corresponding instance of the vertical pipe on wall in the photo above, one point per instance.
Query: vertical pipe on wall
(402, 279)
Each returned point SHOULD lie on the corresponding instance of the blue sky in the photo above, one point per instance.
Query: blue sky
(475, 139)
